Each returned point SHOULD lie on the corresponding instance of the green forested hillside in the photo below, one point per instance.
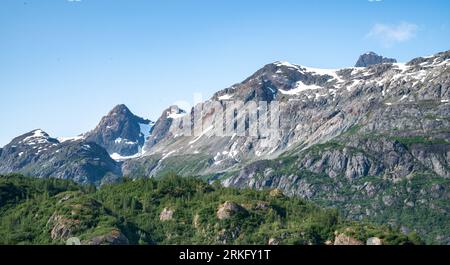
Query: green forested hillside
(172, 210)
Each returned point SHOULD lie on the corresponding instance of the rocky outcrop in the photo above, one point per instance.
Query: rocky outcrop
(374, 241)
(61, 227)
(343, 239)
(229, 209)
(372, 58)
(166, 214)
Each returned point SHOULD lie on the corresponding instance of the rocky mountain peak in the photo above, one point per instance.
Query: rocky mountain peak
(120, 109)
(37, 134)
(371, 58)
(162, 126)
(279, 80)
(121, 132)
(35, 137)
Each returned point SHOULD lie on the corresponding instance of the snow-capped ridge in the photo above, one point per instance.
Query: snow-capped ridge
(311, 70)
(37, 136)
(299, 87)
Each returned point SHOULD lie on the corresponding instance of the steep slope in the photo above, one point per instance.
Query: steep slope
(37, 154)
(120, 132)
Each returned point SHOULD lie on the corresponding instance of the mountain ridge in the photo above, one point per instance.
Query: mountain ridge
(360, 139)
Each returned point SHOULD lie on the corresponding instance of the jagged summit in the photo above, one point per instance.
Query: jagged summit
(121, 132)
(120, 109)
(371, 58)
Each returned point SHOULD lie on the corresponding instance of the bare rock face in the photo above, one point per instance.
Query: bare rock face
(115, 237)
(229, 209)
(121, 132)
(62, 227)
(372, 58)
(343, 239)
(166, 215)
(374, 241)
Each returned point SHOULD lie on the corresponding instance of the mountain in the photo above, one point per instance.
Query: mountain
(172, 211)
(373, 142)
(317, 106)
(92, 158)
(121, 132)
(37, 154)
(372, 58)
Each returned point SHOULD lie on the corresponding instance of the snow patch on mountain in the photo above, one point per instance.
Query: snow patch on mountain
(37, 134)
(299, 87)
(71, 139)
(287, 64)
(225, 97)
(117, 157)
(124, 141)
(175, 113)
(38, 137)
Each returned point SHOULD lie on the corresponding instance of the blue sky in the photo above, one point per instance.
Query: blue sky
(65, 63)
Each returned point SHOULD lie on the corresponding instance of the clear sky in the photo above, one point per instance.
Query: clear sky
(65, 63)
